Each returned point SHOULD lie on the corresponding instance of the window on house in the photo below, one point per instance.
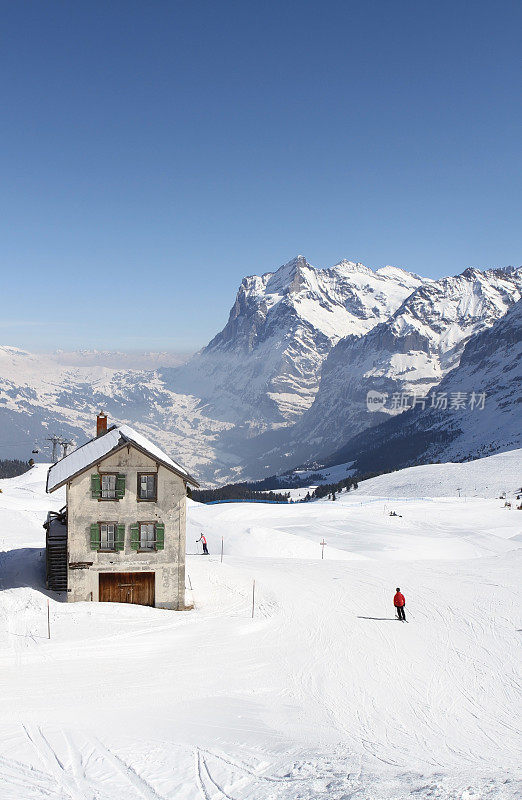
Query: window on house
(108, 487)
(147, 486)
(147, 536)
(107, 536)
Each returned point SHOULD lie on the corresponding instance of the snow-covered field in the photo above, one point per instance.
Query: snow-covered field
(485, 477)
(317, 696)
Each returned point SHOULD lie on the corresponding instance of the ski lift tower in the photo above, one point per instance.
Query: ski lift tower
(66, 444)
(56, 441)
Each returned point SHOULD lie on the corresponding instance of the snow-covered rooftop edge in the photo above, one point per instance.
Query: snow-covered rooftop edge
(91, 452)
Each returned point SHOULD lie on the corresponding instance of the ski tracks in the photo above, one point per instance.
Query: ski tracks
(129, 773)
(89, 770)
(70, 776)
(203, 776)
(72, 785)
(246, 782)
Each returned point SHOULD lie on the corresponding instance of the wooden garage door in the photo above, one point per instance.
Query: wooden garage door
(127, 587)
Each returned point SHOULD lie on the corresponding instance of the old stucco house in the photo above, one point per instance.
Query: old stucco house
(125, 520)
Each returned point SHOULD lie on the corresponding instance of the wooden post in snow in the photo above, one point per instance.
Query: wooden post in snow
(322, 547)
(221, 549)
(253, 597)
(48, 620)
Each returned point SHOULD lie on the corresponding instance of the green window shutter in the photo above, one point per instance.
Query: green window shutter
(120, 486)
(96, 486)
(95, 536)
(135, 537)
(119, 540)
(160, 536)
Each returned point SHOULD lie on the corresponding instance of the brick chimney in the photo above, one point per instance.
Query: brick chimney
(101, 423)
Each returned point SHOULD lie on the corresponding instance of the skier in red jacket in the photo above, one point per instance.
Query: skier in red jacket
(203, 541)
(399, 602)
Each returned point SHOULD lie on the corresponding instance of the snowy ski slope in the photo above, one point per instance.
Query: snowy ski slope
(483, 477)
(323, 694)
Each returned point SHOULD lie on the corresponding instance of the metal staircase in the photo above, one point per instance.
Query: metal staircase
(56, 550)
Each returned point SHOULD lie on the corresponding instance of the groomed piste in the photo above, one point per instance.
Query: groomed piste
(322, 693)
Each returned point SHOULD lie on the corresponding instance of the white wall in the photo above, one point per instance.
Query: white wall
(170, 509)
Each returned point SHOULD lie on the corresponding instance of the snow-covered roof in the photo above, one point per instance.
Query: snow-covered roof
(98, 448)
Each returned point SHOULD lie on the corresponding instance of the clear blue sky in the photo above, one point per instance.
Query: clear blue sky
(154, 153)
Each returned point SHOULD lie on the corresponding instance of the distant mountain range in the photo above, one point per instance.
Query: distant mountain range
(287, 380)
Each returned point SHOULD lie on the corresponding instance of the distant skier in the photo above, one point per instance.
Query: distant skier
(399, 602)
(204, 543)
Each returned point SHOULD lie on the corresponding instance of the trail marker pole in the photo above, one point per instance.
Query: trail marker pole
(221, 549)
(253, 597)
(322, 548)
(48, 620)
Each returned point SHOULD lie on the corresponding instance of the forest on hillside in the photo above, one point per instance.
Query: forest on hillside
(10, 468)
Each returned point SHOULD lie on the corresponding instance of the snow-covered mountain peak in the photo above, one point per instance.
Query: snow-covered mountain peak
(399, 274)
(291, 277)
(470, 301)
(346, 267)
(267, 360)
(334, 301)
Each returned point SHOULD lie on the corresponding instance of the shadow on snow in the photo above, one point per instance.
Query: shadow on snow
(25, 567)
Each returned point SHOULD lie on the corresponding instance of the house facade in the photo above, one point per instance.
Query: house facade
(125, 519)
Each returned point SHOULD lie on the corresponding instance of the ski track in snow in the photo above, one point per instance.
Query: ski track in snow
(129, 773)
(202, 770)
(69, 778)
(67, 784)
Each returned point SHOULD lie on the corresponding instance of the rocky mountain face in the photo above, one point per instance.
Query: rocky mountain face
(475, 411)
(263, 369)
(401, 359)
